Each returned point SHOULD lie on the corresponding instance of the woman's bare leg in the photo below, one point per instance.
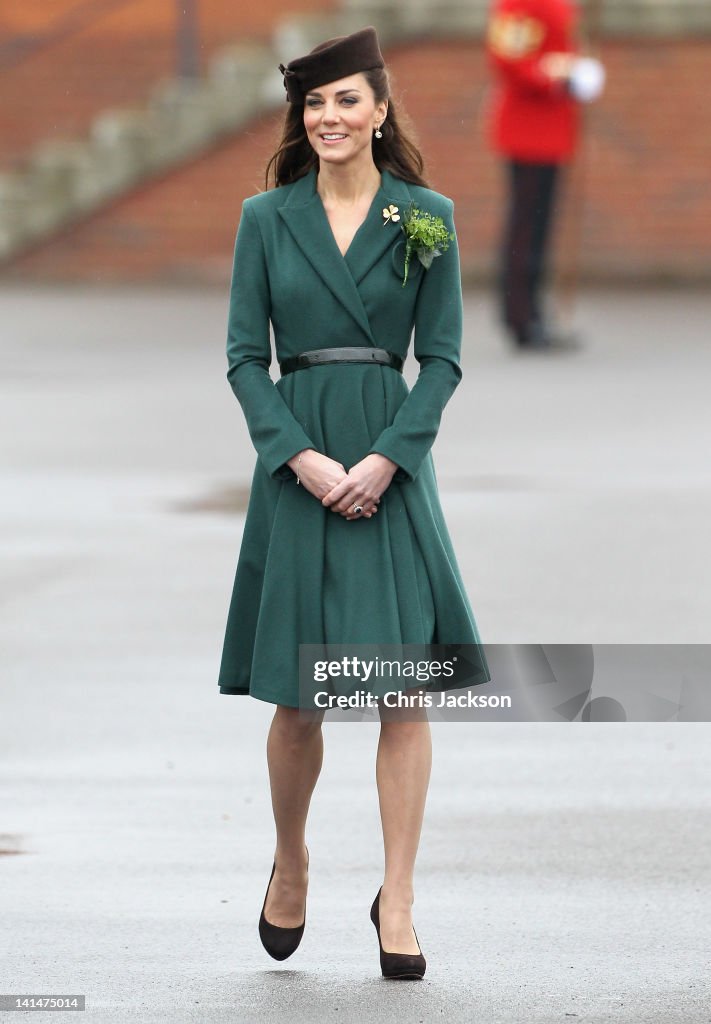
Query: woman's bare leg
(403, 771)
(294, 756)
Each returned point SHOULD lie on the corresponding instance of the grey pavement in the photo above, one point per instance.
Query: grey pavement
(564, 869)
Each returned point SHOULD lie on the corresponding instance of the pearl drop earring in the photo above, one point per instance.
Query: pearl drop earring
(378, 133)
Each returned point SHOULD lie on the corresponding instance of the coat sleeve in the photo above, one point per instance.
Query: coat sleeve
(275, 432)
(527, 75)
(437, 346)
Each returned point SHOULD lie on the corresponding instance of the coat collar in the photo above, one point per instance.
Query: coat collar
(305, 216)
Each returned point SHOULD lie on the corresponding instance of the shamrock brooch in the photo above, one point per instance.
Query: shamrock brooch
(425, 235)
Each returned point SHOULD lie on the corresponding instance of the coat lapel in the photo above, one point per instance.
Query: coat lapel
(306, 219)
(376, 235)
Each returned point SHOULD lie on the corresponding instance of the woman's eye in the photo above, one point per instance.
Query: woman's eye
(348, 100)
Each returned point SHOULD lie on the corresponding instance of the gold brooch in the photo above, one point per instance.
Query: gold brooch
(390, 213)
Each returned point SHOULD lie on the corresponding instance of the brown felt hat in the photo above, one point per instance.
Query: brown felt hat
(329, 61)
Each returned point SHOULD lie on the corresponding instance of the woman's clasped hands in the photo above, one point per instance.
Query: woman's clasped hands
(344, 491)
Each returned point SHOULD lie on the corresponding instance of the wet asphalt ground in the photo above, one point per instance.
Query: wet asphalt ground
(564, 869)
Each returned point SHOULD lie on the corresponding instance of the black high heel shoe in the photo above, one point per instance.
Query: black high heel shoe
(280, 943)
(404, 966)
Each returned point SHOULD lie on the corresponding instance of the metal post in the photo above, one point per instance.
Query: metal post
(188, 39)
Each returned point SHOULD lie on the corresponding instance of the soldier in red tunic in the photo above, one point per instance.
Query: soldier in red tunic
(534, 125)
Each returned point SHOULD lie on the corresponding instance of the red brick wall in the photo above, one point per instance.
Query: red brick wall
(113, 61)
(643, 178)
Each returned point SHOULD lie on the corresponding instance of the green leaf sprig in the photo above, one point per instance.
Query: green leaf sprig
(426, 236)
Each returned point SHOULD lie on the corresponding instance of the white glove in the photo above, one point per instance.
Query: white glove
(586, 79)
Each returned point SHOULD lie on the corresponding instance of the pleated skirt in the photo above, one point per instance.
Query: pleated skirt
(306, 575)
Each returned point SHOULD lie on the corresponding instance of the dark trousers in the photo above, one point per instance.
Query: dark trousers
(523, 257)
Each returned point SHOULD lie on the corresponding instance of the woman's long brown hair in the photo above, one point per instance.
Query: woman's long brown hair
(395, 152)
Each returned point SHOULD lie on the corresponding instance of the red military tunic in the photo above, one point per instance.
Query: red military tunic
(531, 117)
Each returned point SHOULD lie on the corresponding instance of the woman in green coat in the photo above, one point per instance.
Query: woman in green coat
(344, 540)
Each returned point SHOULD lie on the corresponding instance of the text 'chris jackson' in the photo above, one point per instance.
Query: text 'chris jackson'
(398, 699)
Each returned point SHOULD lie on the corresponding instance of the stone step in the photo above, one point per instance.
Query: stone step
(65, 180)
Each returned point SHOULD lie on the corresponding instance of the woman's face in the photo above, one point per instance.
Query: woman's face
(340, 118)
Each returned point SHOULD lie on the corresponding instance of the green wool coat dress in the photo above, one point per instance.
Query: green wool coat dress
(304, 573)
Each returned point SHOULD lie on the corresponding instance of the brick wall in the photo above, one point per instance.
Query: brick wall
(112, 61)
(643, 177)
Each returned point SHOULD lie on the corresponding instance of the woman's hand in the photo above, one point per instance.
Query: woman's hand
(316, 472)
(362, 485)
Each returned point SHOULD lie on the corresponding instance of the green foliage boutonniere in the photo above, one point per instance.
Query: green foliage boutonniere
(425, 235)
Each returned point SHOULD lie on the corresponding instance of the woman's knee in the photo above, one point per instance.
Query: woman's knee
(407, 717)
(296, 727)
(404, 726)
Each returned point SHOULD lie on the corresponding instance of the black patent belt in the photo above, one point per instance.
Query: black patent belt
(320, 356)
